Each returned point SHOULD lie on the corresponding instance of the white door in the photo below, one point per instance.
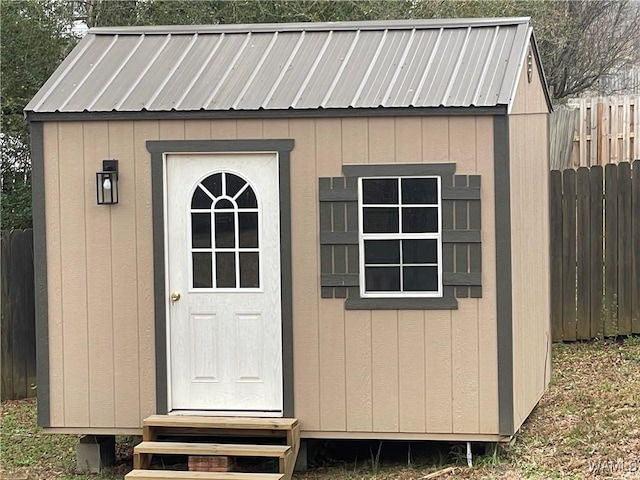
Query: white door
(223, 299)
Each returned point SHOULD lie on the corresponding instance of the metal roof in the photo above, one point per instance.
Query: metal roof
(303, 66)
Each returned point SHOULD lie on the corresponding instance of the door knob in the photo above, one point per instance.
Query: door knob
(175, 296)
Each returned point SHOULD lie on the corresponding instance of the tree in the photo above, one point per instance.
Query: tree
(579, 40)
(35, 39)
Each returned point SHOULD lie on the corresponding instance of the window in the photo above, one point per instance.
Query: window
(224, 240)
(400, 237)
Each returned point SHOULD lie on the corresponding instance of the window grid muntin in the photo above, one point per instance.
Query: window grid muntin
(362, 237)
(213, 249)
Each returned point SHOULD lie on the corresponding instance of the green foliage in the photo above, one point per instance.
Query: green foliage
(580, 40)
(35, 39)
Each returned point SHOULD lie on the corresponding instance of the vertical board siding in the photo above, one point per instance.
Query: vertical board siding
(464, 342)
(304, 252)
(600, 220)
(331, 313)
(487, 308)
(125, 279)
(359, 388)
(412, 371)
(384, 371)
(73, 182)
(100, 278)
(439, 371)
(529, 167)
(54, 273)
(384, 368)
(143, 131)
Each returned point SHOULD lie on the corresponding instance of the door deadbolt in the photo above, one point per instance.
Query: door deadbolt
(175, 296)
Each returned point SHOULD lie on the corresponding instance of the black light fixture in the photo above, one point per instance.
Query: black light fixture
(107, 183)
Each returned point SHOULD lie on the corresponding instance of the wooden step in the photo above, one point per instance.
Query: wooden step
(182, 475)
(227, 423)
(233, 450)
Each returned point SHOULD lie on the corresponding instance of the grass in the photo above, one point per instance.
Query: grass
(589, 418)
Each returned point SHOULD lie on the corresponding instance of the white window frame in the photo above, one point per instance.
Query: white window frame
(399, 236)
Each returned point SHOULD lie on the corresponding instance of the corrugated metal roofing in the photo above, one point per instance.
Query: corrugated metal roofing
(406, 63)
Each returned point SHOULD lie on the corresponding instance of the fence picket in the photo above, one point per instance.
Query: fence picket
(583, 254)
(611, 250)
(595, 244)
(635, 247)
(555, 219)
(569, 255)
(607, 130)
(624, 248)
(595, 251)
(18, 315)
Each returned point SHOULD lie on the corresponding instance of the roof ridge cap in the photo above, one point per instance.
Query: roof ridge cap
(312, 26)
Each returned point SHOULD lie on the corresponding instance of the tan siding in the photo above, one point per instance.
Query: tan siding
(99, 284)
(462, 143)
(464, 343)
(74, 278)
(250, 129)
(222, 129)
(355, 141)
(530, 264)
(435, 139)
(384, 345)
(487, 315)
(529, 97)
(359, 388)
(382, 140)
(304, 252)
(408, 139)
(331, 331)
(143, 131)
(54, 274)
(360, 371)
(439, 371)
(125, 279)
(197, 129)
(276, 129)
(411, 371)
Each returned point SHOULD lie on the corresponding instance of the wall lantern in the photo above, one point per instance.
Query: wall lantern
(107, 183)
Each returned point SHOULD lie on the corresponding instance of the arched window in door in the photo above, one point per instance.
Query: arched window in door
(225, 234)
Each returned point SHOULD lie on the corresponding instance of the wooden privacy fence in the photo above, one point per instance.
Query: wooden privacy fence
(607, 130)
(595, 251)
(17, 328)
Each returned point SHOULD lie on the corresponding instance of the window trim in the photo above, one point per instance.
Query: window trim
(362, 237)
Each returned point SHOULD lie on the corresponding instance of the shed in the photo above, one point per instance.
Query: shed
(342, 223)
